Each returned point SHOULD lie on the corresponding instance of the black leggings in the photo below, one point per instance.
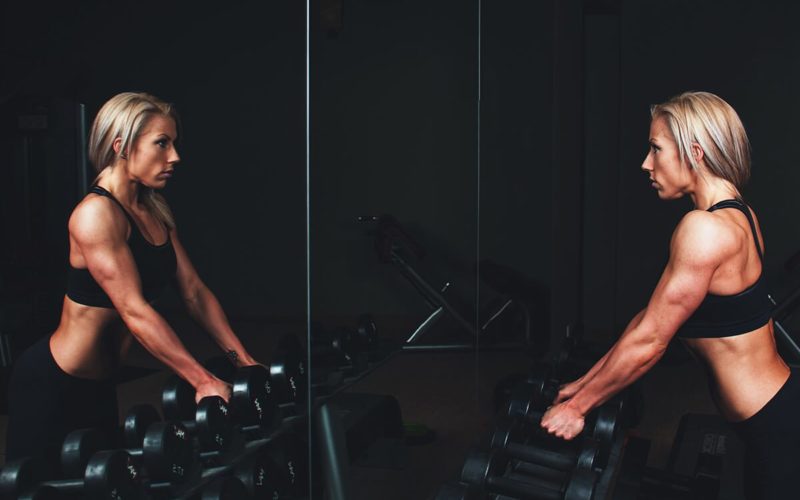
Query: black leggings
(772, 438)
(46, 403)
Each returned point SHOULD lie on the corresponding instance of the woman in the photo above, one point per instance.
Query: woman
(711, 295)
(124, 250)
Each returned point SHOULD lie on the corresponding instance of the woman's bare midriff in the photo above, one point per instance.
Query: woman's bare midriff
(745, 371)
(90, 342)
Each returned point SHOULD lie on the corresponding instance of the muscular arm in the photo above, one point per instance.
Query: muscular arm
(696, 250)
(100, 232)
(205, 309)
(569, 390)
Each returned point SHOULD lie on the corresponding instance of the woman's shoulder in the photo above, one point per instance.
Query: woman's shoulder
(704, 235)
(97, 216)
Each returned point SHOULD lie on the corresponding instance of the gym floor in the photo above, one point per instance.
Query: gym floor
(448, 392)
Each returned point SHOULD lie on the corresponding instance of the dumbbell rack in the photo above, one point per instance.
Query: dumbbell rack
(333, 457)
(608, 480)
(249, 449)
(329, 430)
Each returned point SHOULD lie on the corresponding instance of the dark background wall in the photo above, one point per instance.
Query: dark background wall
(419, 112)
(237, 75)
(394, 131)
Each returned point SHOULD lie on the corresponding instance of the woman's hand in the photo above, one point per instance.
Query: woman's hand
(213, 387)
(568, 390)
(563, 421)
(247, 360)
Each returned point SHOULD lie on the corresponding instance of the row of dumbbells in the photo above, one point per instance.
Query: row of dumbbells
(172, 454)
(341, 352)
(158, 462)
(525, 462)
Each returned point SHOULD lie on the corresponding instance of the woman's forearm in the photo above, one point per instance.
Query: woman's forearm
(206, 310)
(155, 335)
(589, 375)
(628, 360)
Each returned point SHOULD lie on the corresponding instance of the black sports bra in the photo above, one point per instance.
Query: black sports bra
(729, 315)
(156, 264)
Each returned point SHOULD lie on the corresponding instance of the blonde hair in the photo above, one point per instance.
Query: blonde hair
(709, 121)
(124, 116)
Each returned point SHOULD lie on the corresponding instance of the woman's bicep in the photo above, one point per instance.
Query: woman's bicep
(108, 258)
(685, 281)
(679, 293)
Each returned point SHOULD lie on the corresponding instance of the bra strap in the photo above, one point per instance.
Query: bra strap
(738, 204)
(104, 192)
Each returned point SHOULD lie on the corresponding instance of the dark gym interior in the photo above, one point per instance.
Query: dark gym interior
(462, 176)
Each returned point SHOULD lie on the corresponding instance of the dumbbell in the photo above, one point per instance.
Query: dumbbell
(338, 350)
(165, 451)
(288, 452)
(289, 372)
(252, 403)
(352, 344)
(602, 424)
(536, 392)
(539, 390)
(136, 423)
(563, 456)
(367, 331)
(208, 421)
(491, 472)
(459, 491)
(225, 488)
(264, 477)
(108, 475)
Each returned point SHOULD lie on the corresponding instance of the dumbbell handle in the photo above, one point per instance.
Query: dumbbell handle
(78, 485)
(104, 470)
(524, 489)
(70, 485)
(539, 471)
(562, 461)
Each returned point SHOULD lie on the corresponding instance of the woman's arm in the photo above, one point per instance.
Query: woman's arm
(698, 247)
(205, 309)
(99, 231)
(569, 390)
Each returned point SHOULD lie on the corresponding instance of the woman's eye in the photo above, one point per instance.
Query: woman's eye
(162, 143)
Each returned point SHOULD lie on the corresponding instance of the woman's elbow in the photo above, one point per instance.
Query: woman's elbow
(655, 351)
(136, 317)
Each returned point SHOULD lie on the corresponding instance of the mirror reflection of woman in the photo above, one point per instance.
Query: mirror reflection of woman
(124, 251)
(711, 295)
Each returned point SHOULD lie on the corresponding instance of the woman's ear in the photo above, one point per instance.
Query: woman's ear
(117, 145)
(697, 153)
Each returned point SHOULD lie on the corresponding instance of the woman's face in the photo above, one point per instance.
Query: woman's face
(670, 177)
(153, 156)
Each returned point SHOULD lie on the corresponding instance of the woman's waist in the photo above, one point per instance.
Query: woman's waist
(89, 351)
(741, 389)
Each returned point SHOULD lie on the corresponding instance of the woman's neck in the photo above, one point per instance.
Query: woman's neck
(710, 189)
(116, 181)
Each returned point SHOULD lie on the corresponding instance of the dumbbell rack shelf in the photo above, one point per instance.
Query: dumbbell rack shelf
(332, 449)
(608, 479)
(247, 449)
(337, 381)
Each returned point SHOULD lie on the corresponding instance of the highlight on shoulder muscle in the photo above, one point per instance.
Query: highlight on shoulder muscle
(702, 241)
(96, 221)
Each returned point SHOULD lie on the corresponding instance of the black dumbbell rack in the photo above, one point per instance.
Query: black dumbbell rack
(248, 450)
(335, 417)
